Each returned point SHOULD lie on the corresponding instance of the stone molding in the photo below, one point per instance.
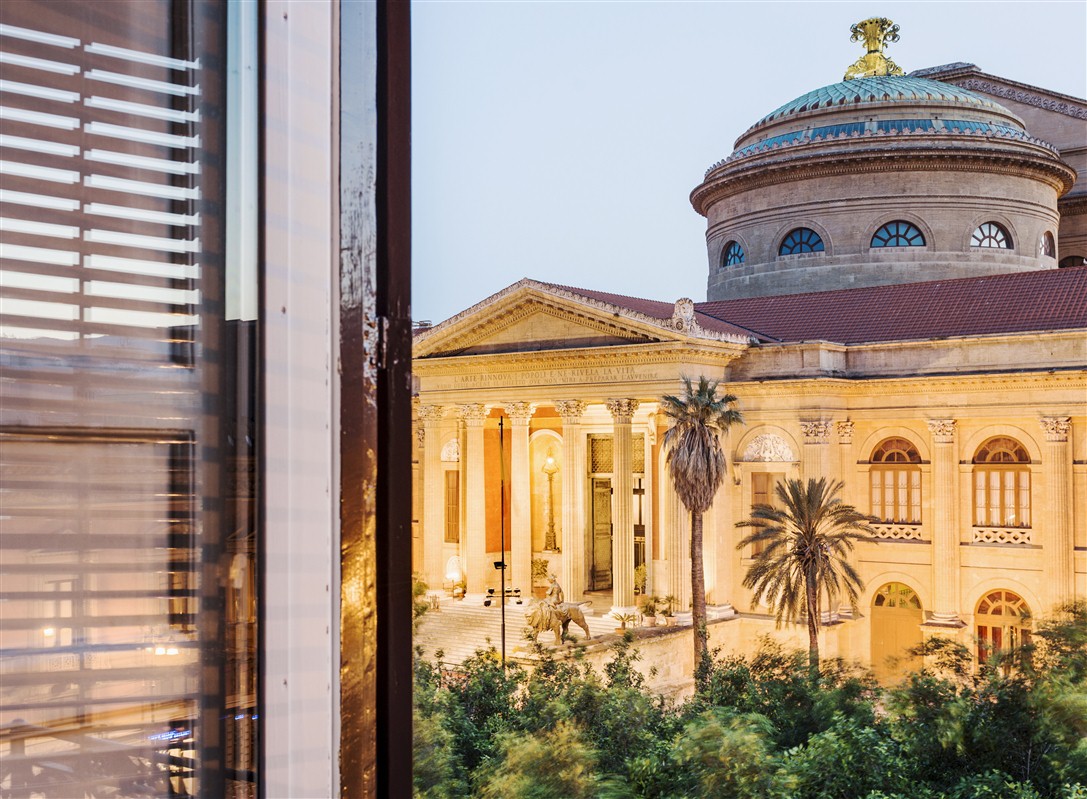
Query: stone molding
(571, 411)
(817, 432)
(520, 412)
(1002, 535)
(942, 430)
(1056, 428)
(768, 448)
(473, 414)
(893, 531)
(622, 410)
(1076, 110)
(845, 432)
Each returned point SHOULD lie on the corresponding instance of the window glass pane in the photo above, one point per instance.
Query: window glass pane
(1024, 498)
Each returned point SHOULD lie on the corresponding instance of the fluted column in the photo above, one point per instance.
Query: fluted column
(677, 544)
(430, 417)
(520, 497)
(622, 540)
(945, 527)
(573, 499)
(475, 550)
(1057, 545)
(816, 459)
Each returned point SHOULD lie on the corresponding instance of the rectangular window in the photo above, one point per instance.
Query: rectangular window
(452, 506)
(762, 493)
(1002, 497)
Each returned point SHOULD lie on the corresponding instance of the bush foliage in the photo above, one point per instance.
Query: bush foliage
(762, 727)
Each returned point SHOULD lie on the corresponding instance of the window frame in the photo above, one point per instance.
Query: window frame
(1002, 489)
(903, 229)
(799, 237)
(988, 232)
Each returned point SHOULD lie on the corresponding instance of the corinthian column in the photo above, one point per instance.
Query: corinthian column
(847, 474)
(945, 527)
(677, 544)
(1057, 514)
(475, 550)
(573, 499)
(520, 497)
(622, 540)
(433, 495)
(816, 459)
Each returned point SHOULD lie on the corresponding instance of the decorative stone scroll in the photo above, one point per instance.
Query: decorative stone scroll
(1001, 535)
(943, 430)
(683, 316)
(898, 532)
(768, 448)
(451, 451)
(520, 412)
(816, 432)
(430, 413)
(845, 432)
(622, 410)
(1056, 428)
(473, 413)
(570, 410)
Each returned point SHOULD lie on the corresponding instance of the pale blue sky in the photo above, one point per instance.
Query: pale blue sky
(560, 140)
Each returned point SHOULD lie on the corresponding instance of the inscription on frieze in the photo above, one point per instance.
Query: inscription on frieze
(539, 377)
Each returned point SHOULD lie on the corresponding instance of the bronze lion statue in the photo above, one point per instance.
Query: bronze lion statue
(556, 618)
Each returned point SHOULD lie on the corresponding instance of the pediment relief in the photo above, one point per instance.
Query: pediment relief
(533, 325)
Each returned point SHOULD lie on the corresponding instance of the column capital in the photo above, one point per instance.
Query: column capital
(520, 412)
(622, 410)
(1056, 428)
(473, 414)
(943, 430)
(817, 432)
(845, 431)
(570, 410)
(429, 414)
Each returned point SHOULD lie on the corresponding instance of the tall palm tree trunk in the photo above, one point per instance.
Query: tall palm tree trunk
(812, 590)
(698, 589)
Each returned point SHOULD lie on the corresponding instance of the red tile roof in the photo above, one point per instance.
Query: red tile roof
(1053, 299)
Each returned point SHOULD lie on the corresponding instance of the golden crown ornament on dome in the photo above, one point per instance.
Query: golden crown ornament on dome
(876, 33)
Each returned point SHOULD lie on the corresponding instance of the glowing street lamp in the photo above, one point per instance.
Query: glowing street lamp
(550, 466)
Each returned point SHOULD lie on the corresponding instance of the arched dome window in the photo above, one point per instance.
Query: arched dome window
(734, 254)
(800, 240)
(1001, 484)
(1047, 246)
(898, 234)
(1002, 622)
(991, 235)
(895, 481)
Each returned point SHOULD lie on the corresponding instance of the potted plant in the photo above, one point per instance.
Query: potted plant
(649, 611)
(459, 589)
(539, 577)
(624, 619)
(667, 603)
(639, 579)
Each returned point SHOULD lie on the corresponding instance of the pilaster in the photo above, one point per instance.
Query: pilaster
(945, 524)
(1057, 542)
(430, 418)
(815, 462)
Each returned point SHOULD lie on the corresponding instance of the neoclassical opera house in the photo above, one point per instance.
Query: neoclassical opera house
(897, 295)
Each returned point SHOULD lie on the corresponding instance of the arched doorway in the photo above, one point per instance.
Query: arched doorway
(896, 628)
(1002, 624)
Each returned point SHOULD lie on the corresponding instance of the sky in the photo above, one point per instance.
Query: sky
(561, 140)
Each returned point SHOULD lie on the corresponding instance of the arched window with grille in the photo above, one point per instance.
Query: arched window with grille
(1002, 621)
(733, 254)
(895, 480)
(898, 234)
(991, 235)
(801, 240)
(1001, 484)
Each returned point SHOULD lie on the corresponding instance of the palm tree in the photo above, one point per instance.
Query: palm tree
(805, 547)
(697, 465)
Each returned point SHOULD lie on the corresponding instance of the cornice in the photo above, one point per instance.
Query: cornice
(810, 160)
(940, 384)
(1072, 206)
(618, 355)
(1022, 93)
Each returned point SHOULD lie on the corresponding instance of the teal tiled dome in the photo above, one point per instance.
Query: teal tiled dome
(879, 90)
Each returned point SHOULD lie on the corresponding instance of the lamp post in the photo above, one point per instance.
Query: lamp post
(550, 466)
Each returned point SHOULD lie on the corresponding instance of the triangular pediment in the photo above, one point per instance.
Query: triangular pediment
(530, 316)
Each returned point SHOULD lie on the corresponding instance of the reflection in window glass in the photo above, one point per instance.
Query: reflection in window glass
(801, 240)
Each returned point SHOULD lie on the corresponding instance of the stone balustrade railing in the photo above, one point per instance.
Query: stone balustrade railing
(899, 531)
(1002, 535)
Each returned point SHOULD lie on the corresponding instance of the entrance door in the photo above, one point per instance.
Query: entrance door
(601, 557)
(896, 628)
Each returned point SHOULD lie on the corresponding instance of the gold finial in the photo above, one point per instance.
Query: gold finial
(876, 33)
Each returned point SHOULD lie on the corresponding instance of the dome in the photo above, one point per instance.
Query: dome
(888, 88)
